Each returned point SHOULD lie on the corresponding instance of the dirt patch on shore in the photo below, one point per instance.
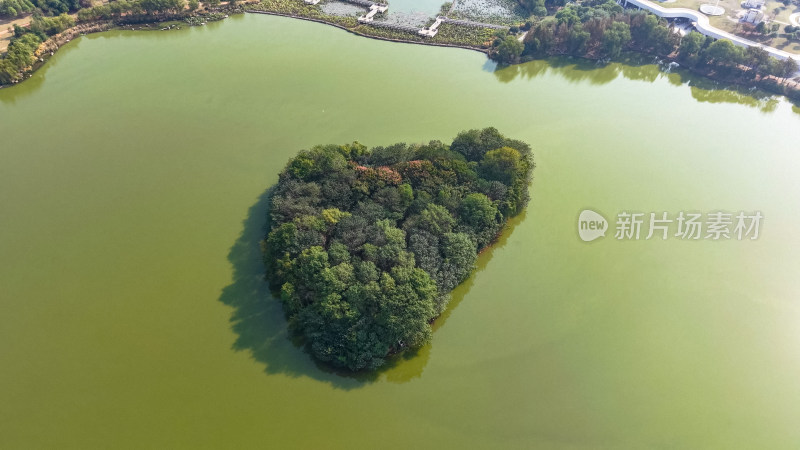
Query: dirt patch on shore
(7, 29)
(51, 45)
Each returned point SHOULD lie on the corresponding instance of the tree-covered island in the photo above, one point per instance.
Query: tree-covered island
(365, 245)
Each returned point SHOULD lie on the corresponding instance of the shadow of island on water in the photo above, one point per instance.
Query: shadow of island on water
(260, 325)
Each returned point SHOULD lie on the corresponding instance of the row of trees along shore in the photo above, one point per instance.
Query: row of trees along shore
(85, 9)
(21, 54)
(601, 29)
(594, 29)
(365, 245)
(21, 50)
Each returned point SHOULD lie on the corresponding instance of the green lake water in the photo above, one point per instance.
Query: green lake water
(133, 168)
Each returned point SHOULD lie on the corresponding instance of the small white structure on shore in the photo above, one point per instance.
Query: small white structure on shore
(312, 2)
(373, 10)
(754, 16)
(433, 29)
(712, 10)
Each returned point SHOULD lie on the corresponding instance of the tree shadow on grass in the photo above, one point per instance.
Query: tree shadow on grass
(260, 324)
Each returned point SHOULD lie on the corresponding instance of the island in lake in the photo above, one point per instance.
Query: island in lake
(365, 245)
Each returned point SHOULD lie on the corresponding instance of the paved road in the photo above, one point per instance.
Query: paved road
(704, 26)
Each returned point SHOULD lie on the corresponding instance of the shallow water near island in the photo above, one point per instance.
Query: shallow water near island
(133, 171)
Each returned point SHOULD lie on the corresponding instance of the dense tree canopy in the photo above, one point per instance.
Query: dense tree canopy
(133, 10)
(19, 56)
(365, 245)
(22, 48)
(509, 50)
(14, 8)
(602, 29)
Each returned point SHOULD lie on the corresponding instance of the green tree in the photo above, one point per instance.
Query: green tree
(51, 25)
(642, 25)
(473, 144)
(616, 38)
(691, 44)
(577, 40)
(435, 219)
(478, 211)
(541, 38)
(18, 57)
(509, 50)
(457, 260)
(503, 164)
(789, 68)
(756, 58)
(662, 40)
(723, 52)
(536, 7)
(568, 16)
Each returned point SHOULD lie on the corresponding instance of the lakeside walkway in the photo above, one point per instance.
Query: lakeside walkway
(703, 25)
(373, 10)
